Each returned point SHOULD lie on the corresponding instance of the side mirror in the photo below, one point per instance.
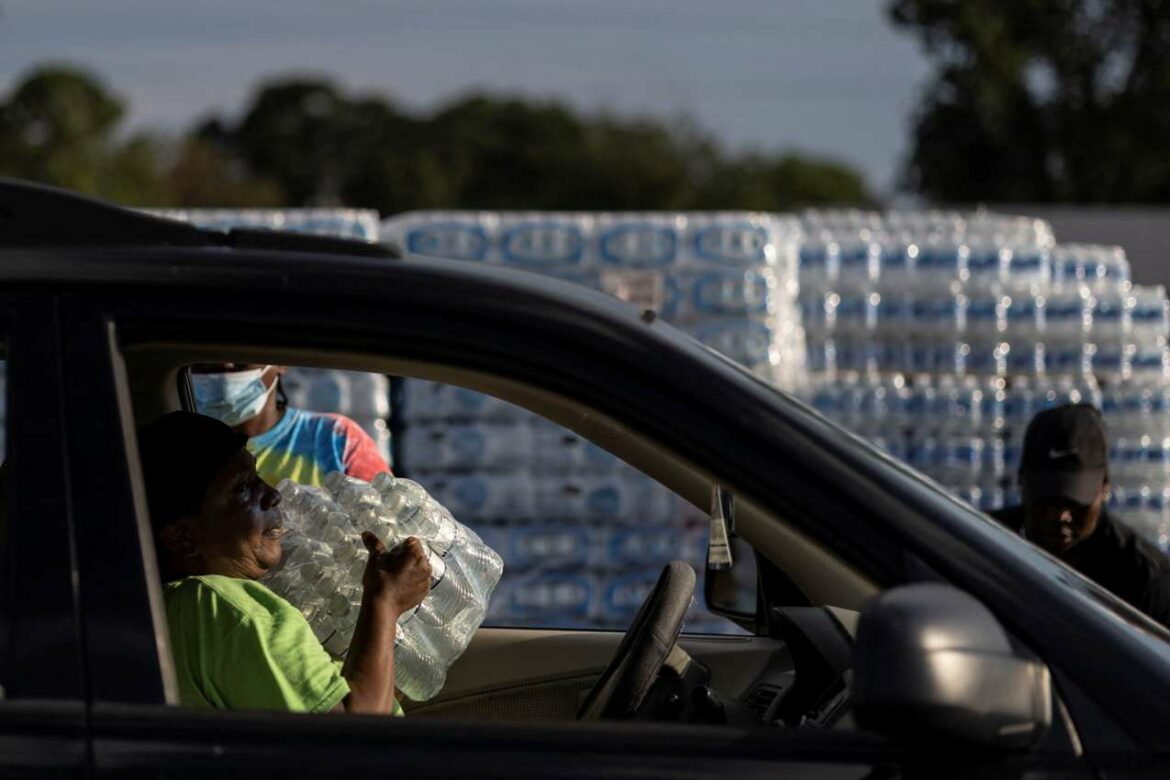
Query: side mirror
(931, 660)
(731, 581)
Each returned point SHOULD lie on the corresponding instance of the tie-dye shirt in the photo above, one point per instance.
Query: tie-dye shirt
(305, 446)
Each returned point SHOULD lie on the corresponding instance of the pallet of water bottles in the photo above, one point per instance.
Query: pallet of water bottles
(726, 278)
(967, 433)
(938, 337)
(884, 304)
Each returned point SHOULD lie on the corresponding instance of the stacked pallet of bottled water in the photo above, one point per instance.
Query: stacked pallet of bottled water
(939, 335)
(325, 558)
(726, 278)
(584, 535)
(363, 397)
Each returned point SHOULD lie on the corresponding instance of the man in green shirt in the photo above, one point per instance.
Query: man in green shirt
(236, 644)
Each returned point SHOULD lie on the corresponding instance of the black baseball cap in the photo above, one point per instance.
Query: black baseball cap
(181, 453)
(1066, 454)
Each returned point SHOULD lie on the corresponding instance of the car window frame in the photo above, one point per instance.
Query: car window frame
(43, 711)
(126, 655)
(359, 327)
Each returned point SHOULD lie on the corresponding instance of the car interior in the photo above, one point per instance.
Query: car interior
(791, 670)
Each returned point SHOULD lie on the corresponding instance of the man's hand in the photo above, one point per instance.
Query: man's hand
(393, 582)
(402, 575)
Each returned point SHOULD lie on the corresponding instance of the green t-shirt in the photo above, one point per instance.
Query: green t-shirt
(237, 645)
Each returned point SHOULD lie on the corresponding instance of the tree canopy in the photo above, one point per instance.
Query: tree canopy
(307, 142)
(1042, 100)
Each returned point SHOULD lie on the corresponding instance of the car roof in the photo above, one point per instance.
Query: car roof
(34, 215)
(54, 236)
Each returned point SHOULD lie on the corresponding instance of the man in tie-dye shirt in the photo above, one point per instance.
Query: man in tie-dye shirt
(287, 443)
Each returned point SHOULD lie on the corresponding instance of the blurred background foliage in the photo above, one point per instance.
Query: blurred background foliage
(306, 142)
(1036, 101)
(1041, 100)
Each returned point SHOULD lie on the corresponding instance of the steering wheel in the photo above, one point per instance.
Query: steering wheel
(639, 658)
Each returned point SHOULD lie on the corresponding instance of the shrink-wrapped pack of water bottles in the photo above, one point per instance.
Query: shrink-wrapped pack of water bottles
(325, 558)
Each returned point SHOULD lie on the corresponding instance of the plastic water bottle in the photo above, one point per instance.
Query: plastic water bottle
(1116, 270)
(1158, 509)
(1028, 268)
(819, 266)
(941, 265)
(856, 322)
(993, 399)
(1025, 330)
(896, 267)
(987, 266)
(1111, 313)
(1147, 350)
(860, 266)
(893, 330)
(1067, 268)
(986, 335)
(1105, 269)
(1067, 318)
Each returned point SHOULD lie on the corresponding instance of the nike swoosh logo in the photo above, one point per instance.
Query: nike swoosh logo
(1062, 453)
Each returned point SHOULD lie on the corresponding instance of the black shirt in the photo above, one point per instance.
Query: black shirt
(1118, 560)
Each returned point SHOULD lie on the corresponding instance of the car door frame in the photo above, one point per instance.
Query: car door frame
(133, 733)
(43, 713)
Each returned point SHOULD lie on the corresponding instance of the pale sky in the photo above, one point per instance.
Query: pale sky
(829, 77)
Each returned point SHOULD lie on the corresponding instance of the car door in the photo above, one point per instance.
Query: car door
(137, 730)
(42, 712)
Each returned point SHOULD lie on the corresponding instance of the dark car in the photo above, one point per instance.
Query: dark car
(893, 630)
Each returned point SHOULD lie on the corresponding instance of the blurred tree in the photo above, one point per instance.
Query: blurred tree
(291, 133)
(203, 176)
(303, 142)
(58, 125)
(321, 146)
(784, 183)
(1042, 100)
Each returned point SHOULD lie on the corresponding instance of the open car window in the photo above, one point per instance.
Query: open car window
(582, 534)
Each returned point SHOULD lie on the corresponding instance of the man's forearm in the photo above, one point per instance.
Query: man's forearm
(369, 666)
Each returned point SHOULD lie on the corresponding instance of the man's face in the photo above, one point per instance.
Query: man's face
(1059, 524)
(239, 528)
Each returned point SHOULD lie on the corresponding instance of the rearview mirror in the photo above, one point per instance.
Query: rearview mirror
(931, 660)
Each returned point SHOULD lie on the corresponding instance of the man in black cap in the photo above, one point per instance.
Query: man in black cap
(236, 644)
(1064, 481)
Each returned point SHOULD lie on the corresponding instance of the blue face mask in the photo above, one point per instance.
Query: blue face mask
(232, 397)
